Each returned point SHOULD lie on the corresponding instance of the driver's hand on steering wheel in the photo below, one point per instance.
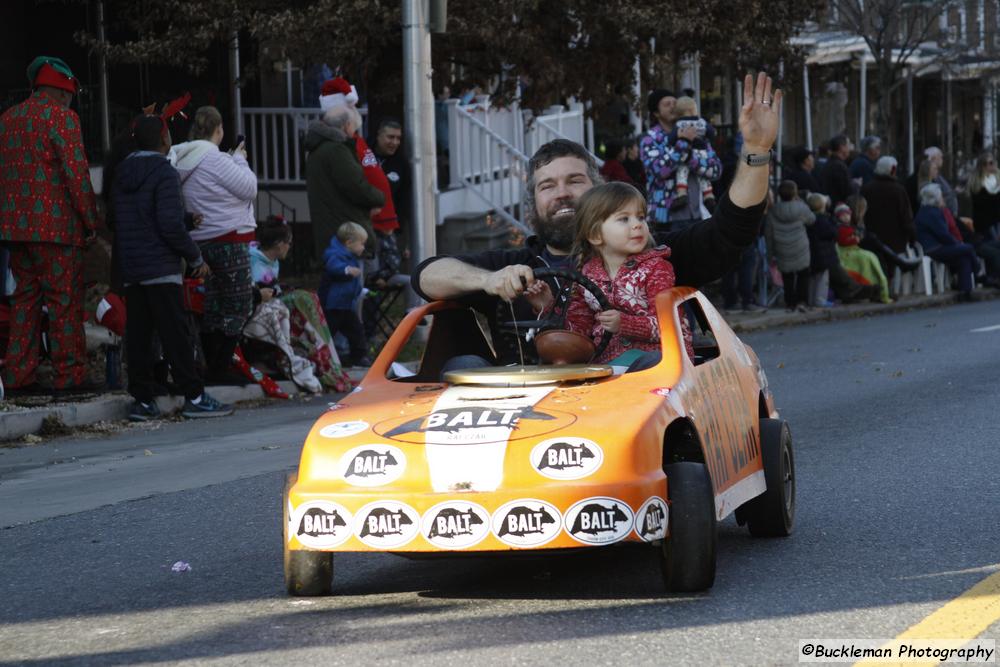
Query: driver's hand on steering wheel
(539, 295)
(610, 320)
(509, 282)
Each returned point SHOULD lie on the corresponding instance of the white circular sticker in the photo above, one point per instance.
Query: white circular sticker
(651, 519)
(386, 524)
(566, 458)
(372, 465)
(455, 524)
(598, 520)
(321, 524)
(343, 429)
(526, 522)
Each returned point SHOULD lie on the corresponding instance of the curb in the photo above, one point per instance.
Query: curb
(848, 312)
(20, 422)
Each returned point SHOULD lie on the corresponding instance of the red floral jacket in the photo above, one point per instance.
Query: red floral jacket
(633, 293)
(45, 190)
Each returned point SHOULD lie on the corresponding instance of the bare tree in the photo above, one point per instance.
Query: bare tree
(893, 30)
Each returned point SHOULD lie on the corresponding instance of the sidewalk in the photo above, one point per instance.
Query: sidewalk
(17, 421)
(778, 317)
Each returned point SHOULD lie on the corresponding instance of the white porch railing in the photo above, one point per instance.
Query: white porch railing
(486, 164)
(488, 149)
(274, 142)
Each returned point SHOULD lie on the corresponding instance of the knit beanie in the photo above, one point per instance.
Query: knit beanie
(847, 235)
(841, 208)
(653, 101)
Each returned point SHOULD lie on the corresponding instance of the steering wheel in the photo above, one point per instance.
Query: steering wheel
(556, 319)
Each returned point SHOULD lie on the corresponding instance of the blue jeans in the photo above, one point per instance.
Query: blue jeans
(960, 258)
(740, 278)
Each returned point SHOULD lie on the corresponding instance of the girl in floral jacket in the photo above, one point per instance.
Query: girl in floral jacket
(614, 249)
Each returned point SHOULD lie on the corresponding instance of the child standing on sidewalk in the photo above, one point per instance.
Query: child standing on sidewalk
(340, 289)
(150, 241)
(788, 243)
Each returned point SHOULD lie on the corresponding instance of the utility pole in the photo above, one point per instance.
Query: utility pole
(418, 106)
(102, 68)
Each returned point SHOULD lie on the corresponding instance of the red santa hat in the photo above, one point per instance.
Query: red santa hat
(336, 92)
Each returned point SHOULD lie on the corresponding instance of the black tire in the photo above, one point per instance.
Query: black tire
(307, 573)
(688, 554)
(772, 513)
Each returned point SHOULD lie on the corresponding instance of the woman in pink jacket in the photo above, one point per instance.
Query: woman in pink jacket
(222, 188)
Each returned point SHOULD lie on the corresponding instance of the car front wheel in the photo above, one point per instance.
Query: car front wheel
(688, 554)
(307, 573)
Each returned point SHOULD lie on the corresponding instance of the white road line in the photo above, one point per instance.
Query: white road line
(995, 327)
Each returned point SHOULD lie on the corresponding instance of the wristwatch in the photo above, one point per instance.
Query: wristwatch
(757, 159)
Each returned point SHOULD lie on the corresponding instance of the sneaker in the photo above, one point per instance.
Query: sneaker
(802, 308)
(205, 407)
(143, 412)
(753, 308)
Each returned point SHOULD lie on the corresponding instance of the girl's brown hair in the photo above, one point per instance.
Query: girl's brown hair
(597, 205)
(206, 119)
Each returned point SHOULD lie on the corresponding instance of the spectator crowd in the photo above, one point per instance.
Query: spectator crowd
(195, 285)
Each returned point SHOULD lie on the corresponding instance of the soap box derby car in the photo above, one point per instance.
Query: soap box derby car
(545, 457)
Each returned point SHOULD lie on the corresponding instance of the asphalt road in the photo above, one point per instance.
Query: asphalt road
(895, 427)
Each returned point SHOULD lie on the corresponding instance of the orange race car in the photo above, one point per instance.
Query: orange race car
(545, 457)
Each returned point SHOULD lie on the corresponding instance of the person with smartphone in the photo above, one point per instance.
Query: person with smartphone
(222, 188)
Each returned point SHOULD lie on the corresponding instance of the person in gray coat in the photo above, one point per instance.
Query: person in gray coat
(788, 243)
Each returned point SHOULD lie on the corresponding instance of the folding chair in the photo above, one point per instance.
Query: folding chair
(379, 323)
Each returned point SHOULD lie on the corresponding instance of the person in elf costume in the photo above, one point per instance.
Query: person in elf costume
(338, 91)
(48, 212)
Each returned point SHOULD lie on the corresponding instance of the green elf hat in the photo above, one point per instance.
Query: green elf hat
(49, 71)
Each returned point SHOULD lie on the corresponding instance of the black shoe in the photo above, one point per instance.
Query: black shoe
(679, 202)
(143, 412)
(206, 407)
(969, 297)
(908, 263)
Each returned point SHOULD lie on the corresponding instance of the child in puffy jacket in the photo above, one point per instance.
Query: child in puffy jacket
(340, 289)
(788, 243)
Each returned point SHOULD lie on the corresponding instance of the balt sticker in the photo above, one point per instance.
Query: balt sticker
(321, 524)
(455, 525)
(372, 465)
(526, 523)
(598, 520)
(386, 524)
(651, 520)
(566, 458)
(343, 429)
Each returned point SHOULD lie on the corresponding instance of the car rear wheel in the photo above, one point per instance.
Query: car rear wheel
(688, 554)
(307, 573)
(772, 513)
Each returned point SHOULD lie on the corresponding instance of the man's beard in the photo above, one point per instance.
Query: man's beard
(558, 233)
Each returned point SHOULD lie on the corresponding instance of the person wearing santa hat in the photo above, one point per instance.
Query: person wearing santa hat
(48, 212)
(336, 92)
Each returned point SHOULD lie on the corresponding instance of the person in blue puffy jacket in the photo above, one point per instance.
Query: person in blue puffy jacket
(340, 289)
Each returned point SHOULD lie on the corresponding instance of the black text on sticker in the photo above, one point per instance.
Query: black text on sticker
(317, 522)
(653, 521)
(452, 420)
(596, 518)
(382, 522)
(563, 455)
(525, 520)
(452, 523)
(369, 462)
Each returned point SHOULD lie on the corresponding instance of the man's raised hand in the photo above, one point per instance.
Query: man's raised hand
(760, 114)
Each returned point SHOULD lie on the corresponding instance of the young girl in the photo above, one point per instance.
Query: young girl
(614, 249)
(292, 319)
(862, 265)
